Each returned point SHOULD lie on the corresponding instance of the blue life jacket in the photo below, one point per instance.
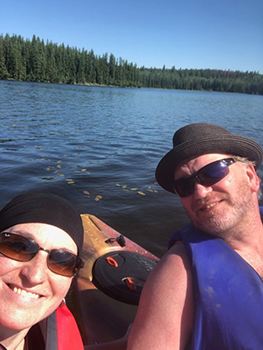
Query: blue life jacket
(228, 294)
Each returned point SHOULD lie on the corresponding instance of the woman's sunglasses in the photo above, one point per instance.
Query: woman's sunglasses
(206, 176)
(23, 249)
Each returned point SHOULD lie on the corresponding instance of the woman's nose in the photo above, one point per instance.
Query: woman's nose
(36, 269)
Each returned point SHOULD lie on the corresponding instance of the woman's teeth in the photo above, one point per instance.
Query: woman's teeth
(24, 293)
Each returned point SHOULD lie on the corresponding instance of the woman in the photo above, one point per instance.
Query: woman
(41, 237)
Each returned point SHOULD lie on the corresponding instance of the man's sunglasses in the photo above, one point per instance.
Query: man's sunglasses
(23, 249)
(206, 176)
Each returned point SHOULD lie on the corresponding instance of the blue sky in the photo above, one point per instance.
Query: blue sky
(215, 34)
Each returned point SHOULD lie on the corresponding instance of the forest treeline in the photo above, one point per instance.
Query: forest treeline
(39, 61)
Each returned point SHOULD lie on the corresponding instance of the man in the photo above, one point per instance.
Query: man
(206, 293)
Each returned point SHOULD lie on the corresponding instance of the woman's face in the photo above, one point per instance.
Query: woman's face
(29, 291)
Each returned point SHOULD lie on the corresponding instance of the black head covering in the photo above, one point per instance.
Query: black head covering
(45, 208)
(196, 139)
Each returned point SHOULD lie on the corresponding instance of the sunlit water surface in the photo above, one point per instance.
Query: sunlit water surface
(99, 148)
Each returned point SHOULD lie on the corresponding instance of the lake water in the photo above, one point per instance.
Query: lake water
(99, 148)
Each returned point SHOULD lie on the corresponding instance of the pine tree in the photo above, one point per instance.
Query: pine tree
(3, 70)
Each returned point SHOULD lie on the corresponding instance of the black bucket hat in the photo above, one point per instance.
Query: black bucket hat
(194, 140)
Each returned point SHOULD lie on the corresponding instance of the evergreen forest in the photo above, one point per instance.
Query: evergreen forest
(38, 61)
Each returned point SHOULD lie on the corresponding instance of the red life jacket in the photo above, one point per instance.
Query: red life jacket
(62, 331)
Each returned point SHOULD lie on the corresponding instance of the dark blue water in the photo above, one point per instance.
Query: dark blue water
(99, 148)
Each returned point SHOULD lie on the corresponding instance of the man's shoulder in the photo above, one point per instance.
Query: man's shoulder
(178, 235)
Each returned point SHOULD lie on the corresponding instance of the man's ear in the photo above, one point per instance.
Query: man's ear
(253, 178)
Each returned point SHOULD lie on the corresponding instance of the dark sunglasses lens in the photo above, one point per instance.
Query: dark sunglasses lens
(184, 187)
(213, 173)
(207, 176)
(17, 247)
(62, 262)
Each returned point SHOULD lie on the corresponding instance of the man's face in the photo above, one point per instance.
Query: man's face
(218, 208)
